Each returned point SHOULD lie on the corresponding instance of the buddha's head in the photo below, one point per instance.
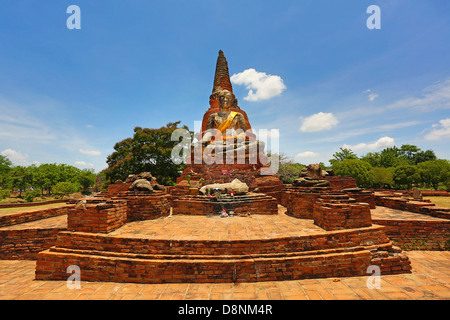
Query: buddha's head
(226, 99)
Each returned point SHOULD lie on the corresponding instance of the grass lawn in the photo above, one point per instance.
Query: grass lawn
(440, 201)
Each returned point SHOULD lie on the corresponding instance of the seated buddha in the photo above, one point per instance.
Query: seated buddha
(226, 134)
(225, 124)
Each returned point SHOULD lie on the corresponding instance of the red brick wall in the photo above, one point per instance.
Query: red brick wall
(341, 182)
(342, 238)
(321, 255)
(26, 244)
(148, 206)
(424, 207)
(13, 219)
(417, 235)
(201, 205)
(391, 263)
(95, 268)
(338, 216)
(103, 217)
(364, 197)
(299, 204)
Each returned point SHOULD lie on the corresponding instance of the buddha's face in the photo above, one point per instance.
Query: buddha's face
(226, 100)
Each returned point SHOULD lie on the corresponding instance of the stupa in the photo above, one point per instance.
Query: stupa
(227, 148)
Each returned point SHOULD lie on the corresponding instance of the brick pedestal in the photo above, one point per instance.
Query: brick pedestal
(100, 217)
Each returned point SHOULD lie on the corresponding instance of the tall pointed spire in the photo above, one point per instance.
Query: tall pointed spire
(222, 76)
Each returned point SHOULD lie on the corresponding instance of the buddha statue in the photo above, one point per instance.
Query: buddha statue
(226, 132)
(225, 124)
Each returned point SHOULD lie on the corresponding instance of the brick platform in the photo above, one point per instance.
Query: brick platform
(142, 205)
(201, 249)
(9, 219)
(103, 216)
(339, 211)
(412, 231)
(24, 241)
(423, 207)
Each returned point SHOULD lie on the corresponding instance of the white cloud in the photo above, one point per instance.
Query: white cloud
(436, 97)
(307, 154)
(381, 143)
(441, 130)
(373, 96)
(91, 152)
(261, 86)
(84, 164)
(18, 158)
(318, 122)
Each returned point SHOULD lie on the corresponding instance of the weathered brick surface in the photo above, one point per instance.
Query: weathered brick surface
(391, 262)
(101, 217)
(337, 212)
(53, 265)
(363, 196)
(103, 258)
(142, 205)
(341, 182)
(27, 243)
(424, 207)
(330, 210)
(22, 217)
(252, 203)
(417, 234)
(248, 173)
(299, 201)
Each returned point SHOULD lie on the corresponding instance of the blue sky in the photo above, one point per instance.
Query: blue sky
(319, 74)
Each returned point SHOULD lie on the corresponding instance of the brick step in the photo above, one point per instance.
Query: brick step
(188, 257)
(328, 240)
(53, 266)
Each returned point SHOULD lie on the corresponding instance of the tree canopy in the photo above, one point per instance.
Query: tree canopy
(394, 167)
(148, 150)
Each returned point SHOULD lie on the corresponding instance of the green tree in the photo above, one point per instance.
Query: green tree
(392, 157)
(344, 154)
(382, 177)
(5, 168)
(31, 194)
(86, 178)
(21, 178)
(289, 172)
(434, 172)
(67, 172)
(359, 170)
(64, 188)
(149, 150)
(423, 156)
(373, 158)
(46, 176)
(409, 152)
(405, 176)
